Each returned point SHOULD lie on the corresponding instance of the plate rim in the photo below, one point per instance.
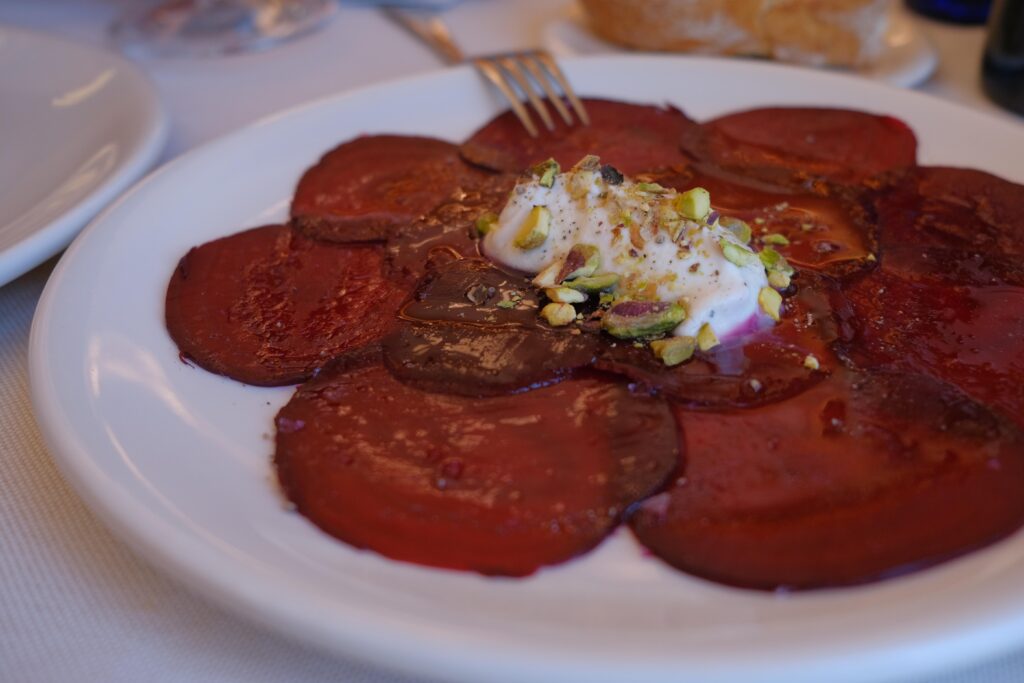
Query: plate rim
(48, 239)
(421, 651)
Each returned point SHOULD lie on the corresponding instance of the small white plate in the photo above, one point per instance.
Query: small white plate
(907, 59)
(177, 460)
(79, 126)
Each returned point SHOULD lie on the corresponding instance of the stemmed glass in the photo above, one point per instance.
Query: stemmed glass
(202, 28)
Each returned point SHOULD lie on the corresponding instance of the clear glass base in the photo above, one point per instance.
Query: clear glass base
(208, 28)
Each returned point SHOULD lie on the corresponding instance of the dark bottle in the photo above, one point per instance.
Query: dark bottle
(957, 11)
(1002, 72)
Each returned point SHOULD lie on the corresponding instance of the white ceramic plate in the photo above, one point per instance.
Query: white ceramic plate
(176, 460)
(907, 58)
(79, 126)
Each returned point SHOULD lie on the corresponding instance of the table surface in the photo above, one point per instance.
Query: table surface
(75, 603)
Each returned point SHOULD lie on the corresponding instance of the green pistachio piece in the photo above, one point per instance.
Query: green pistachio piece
(549, 276)
(736, 254)
(558, 314)
(506, 304)
(811, 362)
(534, 231)
(588, 163)
(739, 228)
(777, 239)
(565, 295)
(774, 261)
(706, 337)
(633, 319)
(595, 283)
(674, 350)
(651, 188)
(770, 302)
(546, 171)
(583, 260)
(695, 204)
(778, 279)
(486, 222)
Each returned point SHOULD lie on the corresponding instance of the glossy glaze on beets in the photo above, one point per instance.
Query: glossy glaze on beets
(780, 473)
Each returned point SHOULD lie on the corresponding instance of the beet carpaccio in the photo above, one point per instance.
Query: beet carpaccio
(861, 418)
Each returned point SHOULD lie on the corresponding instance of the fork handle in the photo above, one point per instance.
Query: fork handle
(431, 30)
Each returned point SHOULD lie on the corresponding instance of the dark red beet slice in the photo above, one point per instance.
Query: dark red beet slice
(470, 360)
(496, 485)
(862, 477)
(972, 337)
(633, 138)
(958, 208)
(829, 227)
(269, 307)
(473, 291)
(797, 145)
(755, 369)
(449, 231)
(365, 189)
(474, 330)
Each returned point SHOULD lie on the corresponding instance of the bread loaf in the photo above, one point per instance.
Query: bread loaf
(819, 32)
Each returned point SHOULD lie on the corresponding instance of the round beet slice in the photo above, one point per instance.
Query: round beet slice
(795, 145)
(969, 336)
(267, 306)
(633, 138)
(494, 485)
(861, 477)
(957, 208)
(470, 360)
(367, 188)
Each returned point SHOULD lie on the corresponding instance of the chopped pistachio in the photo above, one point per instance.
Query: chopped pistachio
(871, 258)
(546, 171)
(565, 295)
(674, 350)
(606, 298)
(588, 163)
(486, 222)
(770, 302)
(534, 231)
(595, 283)
(739, 228)
(583, 260)
(734, 253)
(774, 261)
(558, 314)
(811, 362)
(776, 238)
(633, 319)
(706, 337)
(778, 279)
(651, 188)
(549, 276)
(694, 204)
(507, 303)
(580, 182)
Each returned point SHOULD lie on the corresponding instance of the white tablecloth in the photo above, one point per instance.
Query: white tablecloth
(75, 603)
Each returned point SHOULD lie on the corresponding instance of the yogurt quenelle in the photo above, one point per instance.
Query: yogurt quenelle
(661, 262)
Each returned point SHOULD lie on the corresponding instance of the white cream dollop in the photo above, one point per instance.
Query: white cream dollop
(657, 254)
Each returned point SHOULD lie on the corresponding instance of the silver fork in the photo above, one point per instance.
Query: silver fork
(509, 72)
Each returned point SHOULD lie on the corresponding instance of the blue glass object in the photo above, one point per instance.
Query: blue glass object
(957, 11)
(1003, 65)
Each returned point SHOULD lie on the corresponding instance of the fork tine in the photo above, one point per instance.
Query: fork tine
(529, 60)
(494, 74)
(552, 67)
(511, 64)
